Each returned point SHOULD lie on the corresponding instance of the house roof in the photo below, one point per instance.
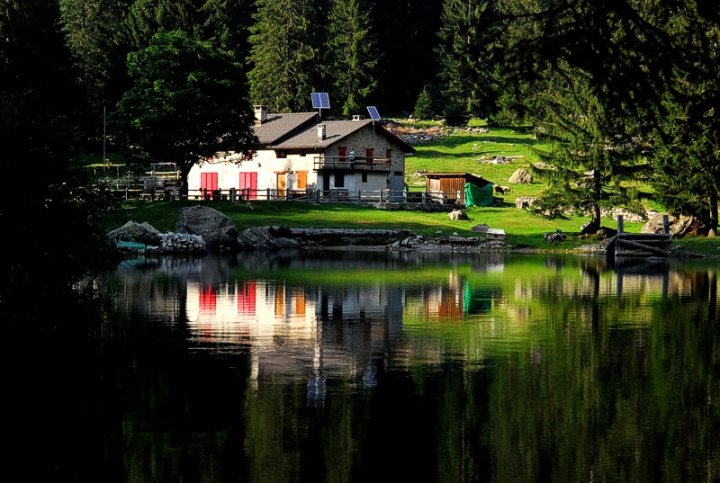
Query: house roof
(299, 131)
(279, 126)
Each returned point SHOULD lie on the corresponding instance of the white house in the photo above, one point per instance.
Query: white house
(298, 151)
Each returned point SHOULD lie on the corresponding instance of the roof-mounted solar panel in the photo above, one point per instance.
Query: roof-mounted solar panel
(320, 100)
(374, 114)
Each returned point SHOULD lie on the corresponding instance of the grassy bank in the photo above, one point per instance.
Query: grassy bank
(523, 229)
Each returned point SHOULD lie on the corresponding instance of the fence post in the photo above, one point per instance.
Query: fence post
(381, 196)
(666, 224)
(620, 227)
(232, 195)
(268, 194)
(424, 193)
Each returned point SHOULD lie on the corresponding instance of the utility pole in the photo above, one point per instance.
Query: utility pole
(104, 132)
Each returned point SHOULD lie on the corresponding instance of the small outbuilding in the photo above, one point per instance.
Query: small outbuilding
(460, 188)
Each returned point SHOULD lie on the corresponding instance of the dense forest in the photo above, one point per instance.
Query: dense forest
(622, 91)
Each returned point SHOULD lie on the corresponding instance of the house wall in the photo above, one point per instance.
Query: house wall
(450, 186)
(267, 167)
(359, 142)
(264, 163)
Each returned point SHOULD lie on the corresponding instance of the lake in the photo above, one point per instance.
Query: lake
(371, 366)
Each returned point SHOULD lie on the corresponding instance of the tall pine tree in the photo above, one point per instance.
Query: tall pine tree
(406, 31)
(286, 53)
(688, 134)
(39, 101)
(352, 55)
(467, 38)
(227, 24)
(590, 164)
(98, 38)
(148, 17)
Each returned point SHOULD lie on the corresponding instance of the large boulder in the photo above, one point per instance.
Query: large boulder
(135, 232)
(267, 238)
(457, 214)
(679, 225)
(218, 231)
(521, 176)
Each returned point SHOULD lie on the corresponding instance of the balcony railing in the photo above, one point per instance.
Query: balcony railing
(351, 163)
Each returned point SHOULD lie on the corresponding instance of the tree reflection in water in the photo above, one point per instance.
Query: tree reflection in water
(370, 366)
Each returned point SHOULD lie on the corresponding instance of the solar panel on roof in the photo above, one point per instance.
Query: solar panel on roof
(320, 100)
(374, 114)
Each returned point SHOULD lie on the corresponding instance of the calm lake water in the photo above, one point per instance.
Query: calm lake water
(373, 367)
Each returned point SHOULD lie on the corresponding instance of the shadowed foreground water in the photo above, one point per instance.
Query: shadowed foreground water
(366, 367)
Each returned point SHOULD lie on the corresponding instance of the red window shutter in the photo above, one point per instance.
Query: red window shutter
(248, 182)
(209, 181)
(369, 153)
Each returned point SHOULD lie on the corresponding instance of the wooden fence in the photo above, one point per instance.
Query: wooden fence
(336, 195)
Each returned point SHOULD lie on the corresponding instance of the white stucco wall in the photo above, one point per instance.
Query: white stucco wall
(267, 167)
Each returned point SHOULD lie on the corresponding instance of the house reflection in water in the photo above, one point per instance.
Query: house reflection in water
(455, 299)
(298, 333)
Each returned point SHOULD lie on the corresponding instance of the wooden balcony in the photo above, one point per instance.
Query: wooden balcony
(351, 164)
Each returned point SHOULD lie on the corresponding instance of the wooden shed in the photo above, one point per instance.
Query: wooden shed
(450, 187)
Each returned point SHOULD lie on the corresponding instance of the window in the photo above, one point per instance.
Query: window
(342, 153)
(364, 177)
(369, 153)
(339, 180)
(388, 154)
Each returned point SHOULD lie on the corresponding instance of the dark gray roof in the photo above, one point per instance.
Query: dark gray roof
(335, 131)
(278, 126)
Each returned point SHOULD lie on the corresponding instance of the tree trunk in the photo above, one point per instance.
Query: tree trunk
(712, 232)
(184, 172)
(597, 187)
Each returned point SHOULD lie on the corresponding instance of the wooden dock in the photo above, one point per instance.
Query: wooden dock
(641, 245)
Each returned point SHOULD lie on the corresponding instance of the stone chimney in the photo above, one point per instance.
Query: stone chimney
(261, 113)
(321, 131)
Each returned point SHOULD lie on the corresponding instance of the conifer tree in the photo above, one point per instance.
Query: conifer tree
(467, 39)
(39, 101)
(148, 17)
(227, 23)
(423, 105)
(406, 32)
(98, 38)
(590, 164)
(352, 54)
(688, 132)
(285, 57)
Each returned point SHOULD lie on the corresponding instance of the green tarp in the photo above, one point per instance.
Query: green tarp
(478, 196)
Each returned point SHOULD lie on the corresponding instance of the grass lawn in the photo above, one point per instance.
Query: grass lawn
(470, 152)
(523, 229)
